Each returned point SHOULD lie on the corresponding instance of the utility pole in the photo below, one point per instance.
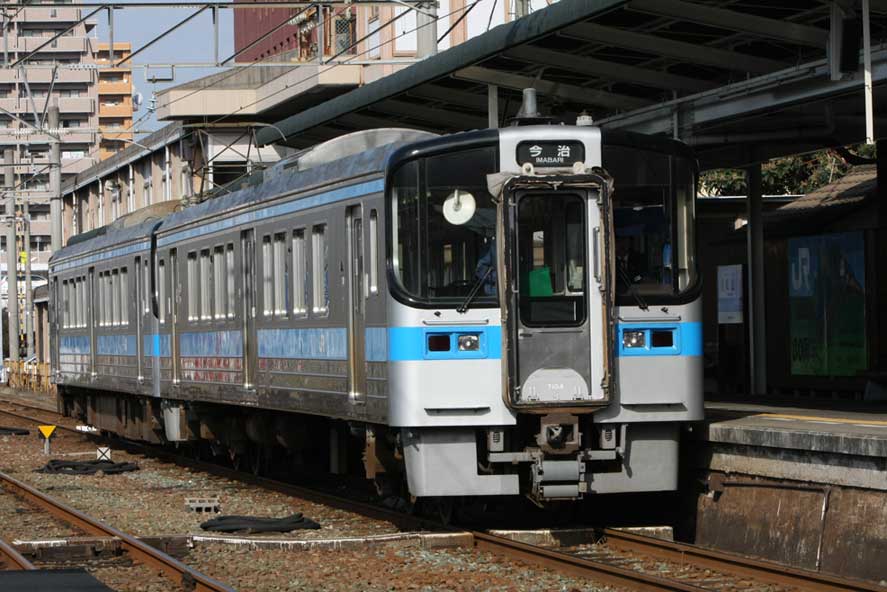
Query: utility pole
(55, 176)
(521, 8)
(29, 295)
(11, 256)
(426, 21)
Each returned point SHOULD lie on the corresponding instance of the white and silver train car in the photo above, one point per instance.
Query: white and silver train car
(493, 313)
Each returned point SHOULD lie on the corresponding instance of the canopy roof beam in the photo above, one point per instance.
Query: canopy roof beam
(607, 70)
(438, 117)
(733, 20)
(568, 92)
(679, 50)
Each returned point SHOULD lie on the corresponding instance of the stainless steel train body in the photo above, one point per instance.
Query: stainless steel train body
(498, 312)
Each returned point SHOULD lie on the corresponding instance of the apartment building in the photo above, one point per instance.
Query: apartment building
(115, 99)
(384, 34)
(54, 73)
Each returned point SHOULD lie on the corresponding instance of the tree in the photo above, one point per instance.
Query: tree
(792, 175)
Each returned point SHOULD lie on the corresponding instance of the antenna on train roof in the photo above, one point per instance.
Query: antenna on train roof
(529, 111)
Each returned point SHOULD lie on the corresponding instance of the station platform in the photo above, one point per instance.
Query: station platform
(827, 446)
(803, 486)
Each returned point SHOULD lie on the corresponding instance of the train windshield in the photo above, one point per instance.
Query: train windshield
(653, 218)
(444, 227)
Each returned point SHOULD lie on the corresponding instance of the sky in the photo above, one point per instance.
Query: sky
(193, 42)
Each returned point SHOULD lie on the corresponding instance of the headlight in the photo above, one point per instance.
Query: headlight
(632, 339)
(469, 343)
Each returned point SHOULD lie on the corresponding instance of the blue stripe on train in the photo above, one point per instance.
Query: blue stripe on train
(154, 344)
(74, 344)
(397, 344)
(116, 345)
(326, 343)
(221, 344)
(686, 339)
(411, 343)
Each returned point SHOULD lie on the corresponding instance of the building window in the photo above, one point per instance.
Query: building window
(147, 185)
(299, 271)
(319, 270)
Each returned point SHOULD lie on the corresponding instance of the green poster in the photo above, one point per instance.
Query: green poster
(827, 304)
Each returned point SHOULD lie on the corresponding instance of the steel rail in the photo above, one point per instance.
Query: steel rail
(684, 553)
(734, 564)
(187, 577)
(578, 566)
(11, 558)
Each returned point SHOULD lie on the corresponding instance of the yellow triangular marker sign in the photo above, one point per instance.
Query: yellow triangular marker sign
(46, 430)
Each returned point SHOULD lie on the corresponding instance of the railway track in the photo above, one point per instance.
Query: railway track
(186, 577)
(11, 559)
(614, 558)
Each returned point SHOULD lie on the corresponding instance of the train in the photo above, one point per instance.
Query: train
(499, 312)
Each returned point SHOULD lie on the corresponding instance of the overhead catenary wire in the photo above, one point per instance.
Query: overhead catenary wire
(326, 68)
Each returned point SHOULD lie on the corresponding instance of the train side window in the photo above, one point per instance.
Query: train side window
(99, 299)
(206, 283)
(65, 299)
(115, 297)
(374, 253)
(267, 287)
(229, 267)
(161, 290)
(281, 280)
(123, 290)
(147, 290)
(299, 273)
(193, 287)
(219, 283)
(320, 270)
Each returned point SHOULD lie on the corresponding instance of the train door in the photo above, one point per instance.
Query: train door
(90, 306)
(54, 328)
(557, 321)
(176, 297)
(248, 309)
(356, 306)
(139, 295)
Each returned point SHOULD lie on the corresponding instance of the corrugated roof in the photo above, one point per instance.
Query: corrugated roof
(852, 188)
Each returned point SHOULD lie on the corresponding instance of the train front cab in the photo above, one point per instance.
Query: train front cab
(523, 358)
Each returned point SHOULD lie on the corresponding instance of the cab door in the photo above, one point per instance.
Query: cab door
(557, 322)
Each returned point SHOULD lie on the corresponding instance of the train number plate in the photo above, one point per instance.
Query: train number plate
(550, 153)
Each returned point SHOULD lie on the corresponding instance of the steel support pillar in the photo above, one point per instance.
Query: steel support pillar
(29, 295)
(521, 8)
(880, 284)
(757, 327)
(492, 106)
(55, 178)
(11, 267)
(426, 25)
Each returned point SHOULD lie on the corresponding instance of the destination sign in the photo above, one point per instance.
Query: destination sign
(551, 153)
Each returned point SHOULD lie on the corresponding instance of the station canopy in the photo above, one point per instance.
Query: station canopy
(741, 81)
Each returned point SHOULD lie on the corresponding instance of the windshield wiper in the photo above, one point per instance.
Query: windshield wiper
(474, 289)
(642, 304)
